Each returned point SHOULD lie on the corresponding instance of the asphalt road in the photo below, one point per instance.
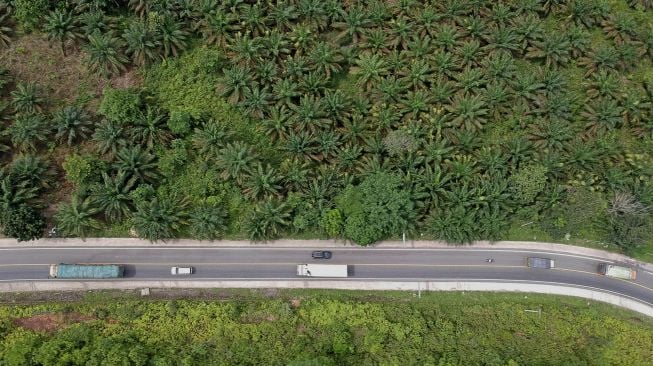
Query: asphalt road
(153, 263)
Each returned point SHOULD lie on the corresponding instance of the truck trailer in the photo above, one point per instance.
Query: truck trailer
(611, 270)
(322, 270)
(91, 271)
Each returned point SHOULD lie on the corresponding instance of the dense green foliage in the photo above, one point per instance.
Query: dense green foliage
(439, 329)
(23, 223)
(457, 120)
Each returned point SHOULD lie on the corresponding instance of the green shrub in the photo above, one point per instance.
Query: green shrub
(172, 160)
(82, 170)
(180, 122)
(29, 12)
(332, 223)
(24, 223)
(377, 208)
(120, 105)
(580, 214)
(528, 182)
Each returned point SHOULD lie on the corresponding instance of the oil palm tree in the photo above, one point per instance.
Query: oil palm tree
(586, 13)
(337, 105)
(77, 218)
(470, 79)
(6, 30)
(14, 194)
(160, 219)
(253, 19)
(244, 50)
(447, 36)
(553, 48)
(234, 82)
(621, 27)
(283, 14)
(150, 129)
(502, 39)
(217, 26)
(579, 41)
(276, 44)
(171, 36)
(551, 134)
(603, 57)
(262, 181)
(416, 75)
(295, 173)
(62, 26)
(27, 131)
(207, 221)
(235, 161)
(112, 195)
(105, 54)
(256, 100)
(309, 114)
(141, 44)
(71, 123)
(369, 70)
(467, 112)
(31, 171)
(313, 13)
(602, 115)
(109, 137)
(268, 220)
(137, 164)
(326, 58)
(209, 139)
(26, 98)
(604, 84)
(353, 24)
(277, 123)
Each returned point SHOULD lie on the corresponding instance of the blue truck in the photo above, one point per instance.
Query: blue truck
(92, 271)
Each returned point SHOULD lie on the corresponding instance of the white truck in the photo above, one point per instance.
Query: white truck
(322, 270)
(181, 270)
(611, 270)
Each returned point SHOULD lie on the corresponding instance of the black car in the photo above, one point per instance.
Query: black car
(321, 254)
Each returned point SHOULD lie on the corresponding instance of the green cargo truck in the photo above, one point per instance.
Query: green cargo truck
(611, 270)
(90, 271)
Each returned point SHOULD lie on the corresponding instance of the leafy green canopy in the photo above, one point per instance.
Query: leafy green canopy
(452, 330)
(377, 208)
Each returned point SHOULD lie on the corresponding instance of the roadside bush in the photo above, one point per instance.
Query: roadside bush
(528, 182)
(173, 160)
(332, 223)
(580, 214)
(83, 170)
(120, 105)
(24, 223)
(180, 123)
(377, 208)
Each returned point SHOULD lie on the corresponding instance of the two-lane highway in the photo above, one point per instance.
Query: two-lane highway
(211, 263)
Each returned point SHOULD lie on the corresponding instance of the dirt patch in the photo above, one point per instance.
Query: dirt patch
(32, 58)
(295, 303)
(51, 322)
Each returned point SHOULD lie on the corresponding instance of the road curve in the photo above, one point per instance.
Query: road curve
(152, 263)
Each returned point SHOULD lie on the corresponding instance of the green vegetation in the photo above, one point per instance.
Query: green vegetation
(457, 120)
(326, 328)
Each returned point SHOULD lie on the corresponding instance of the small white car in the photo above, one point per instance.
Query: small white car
(182, 270)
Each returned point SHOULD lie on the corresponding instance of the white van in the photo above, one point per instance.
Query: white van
(182, 270)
